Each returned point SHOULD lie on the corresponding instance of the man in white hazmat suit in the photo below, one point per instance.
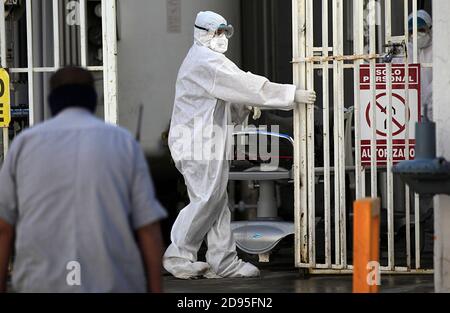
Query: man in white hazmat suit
(424, 56)
(210, 90)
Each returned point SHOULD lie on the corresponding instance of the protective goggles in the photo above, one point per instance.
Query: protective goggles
(228, 30)
(424, 30)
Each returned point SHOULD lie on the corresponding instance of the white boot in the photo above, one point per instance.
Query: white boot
(185, 269)
(246, 270)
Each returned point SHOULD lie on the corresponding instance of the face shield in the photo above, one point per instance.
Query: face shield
(228, 30)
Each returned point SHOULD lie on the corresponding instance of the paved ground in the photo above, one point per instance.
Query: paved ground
(282, 281)
(279, 276)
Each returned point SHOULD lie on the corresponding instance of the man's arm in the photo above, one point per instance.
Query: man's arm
(146, 212)
(151, 246)
(233, 85)
(6, 244)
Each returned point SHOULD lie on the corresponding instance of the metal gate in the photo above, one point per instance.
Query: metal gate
(323, 240)
(61, 27)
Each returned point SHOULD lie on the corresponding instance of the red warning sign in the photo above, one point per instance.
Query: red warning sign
(404, 115)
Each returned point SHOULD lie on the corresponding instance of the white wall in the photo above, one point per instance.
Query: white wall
(441, 112)
(149, 58)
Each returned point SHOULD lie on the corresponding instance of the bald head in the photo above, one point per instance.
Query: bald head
(71, 76)
(72, 87)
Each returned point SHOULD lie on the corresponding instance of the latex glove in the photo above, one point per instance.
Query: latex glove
(305, 96)
(256, 112)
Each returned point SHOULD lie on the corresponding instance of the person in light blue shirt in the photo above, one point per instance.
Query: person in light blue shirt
(78, 195)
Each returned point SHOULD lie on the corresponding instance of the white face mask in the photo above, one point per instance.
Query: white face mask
(423, 40)
(219, 43)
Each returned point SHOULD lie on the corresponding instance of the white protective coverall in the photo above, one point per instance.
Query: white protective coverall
(210, 90)
(425, 56)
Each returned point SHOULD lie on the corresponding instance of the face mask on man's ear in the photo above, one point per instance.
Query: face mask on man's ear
(219, 43)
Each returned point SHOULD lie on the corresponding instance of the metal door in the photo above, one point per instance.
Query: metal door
(329, 51)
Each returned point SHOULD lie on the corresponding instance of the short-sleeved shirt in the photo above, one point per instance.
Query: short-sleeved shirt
(76, 189)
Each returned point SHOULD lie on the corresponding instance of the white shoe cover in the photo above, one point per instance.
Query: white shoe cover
(185, 269)
(246, 270)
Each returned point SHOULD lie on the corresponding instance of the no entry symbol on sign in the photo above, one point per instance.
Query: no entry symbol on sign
(398, 114)
(405, 114)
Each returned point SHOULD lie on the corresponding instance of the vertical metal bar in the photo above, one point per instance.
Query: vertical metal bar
(361, 30)
(296, 70)
(337, 160)
(379, 26)
(338, 94)
(390, 161)
(300, 168)
(105, 58)
(2, 36)
(310, 136)
(342, 169)
(56, 41)
(266, 44)
(358, 37)
(30, 61)
(326, 134)
(83, 40)
(373, 89)
(415, 49)
(109, 30)
(417, 229)
(407, 147)
(67, 46)
(341, 131)
(363, 181)
(303, 142)
(3, 65)
(74, 45)
(416, 196)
